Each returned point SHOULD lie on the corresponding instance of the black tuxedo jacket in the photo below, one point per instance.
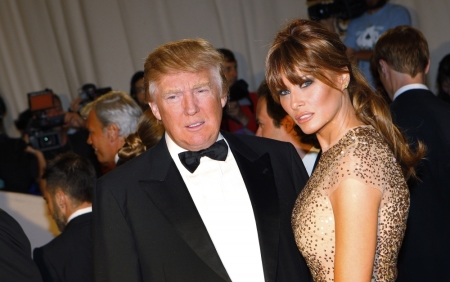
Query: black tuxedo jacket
(68, 257)
(15, 253)
(425, 252)
(147, 228)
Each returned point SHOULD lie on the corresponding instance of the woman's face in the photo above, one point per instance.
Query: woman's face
(446, 86)
(315, 106)
(140, 91)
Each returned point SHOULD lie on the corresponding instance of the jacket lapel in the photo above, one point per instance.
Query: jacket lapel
(256, 170)
(167, 190)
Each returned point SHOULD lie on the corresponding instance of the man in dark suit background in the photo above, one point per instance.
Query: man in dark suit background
(171, 214)
(70, 180)
(402, 59)
(15, 252)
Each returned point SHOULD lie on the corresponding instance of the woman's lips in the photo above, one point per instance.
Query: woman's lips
(304, 117)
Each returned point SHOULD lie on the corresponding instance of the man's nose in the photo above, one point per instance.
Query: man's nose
(190, 104)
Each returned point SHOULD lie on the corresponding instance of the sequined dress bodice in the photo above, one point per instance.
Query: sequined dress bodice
(361, 154)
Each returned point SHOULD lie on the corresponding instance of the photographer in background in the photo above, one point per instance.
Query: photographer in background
(47, 131)
(363, 32)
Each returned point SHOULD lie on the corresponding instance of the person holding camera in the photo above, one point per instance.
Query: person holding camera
(364, 31)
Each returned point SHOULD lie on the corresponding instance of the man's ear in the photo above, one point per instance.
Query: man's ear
(155, 110)
(383, 67)
(113, 132)
(288, 123)
(427, 67)
(61, 199)
(223, 100)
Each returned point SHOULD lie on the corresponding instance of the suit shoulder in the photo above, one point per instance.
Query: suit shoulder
(134, 166)
(74, 232)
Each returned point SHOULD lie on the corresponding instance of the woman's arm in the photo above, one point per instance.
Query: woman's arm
(355, 207)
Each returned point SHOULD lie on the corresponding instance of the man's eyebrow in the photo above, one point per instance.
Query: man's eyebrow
(172, 91)
(200, 85)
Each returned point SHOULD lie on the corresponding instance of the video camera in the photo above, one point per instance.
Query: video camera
(342, 9)
(89, 92)
(41, 127)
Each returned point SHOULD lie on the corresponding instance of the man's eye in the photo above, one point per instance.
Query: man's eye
(203, 90)
(284, 92)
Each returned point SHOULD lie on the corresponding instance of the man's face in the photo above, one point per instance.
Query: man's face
(99, 140)
(54, 211)
(231, 72)
(446, 86)
(190, 107)
(266, 128)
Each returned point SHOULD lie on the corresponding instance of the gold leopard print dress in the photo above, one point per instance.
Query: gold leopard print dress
(363, 155)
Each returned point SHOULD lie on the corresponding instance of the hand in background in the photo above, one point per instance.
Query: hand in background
(75, 105)
(73, 120)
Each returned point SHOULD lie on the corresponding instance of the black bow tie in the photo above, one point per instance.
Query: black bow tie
(217, 151)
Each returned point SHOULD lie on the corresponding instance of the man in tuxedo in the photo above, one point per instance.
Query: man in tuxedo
(401, 58)
(201, 205)
(15, 255)
(70, 180)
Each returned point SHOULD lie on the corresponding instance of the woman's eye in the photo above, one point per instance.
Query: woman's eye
(284, 92)
(306, 84)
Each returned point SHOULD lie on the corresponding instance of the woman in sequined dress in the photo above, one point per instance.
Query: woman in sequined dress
(350, 218)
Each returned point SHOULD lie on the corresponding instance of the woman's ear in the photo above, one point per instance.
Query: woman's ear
(344, 80)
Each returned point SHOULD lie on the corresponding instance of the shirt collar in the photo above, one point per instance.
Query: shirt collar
(79, 212)
(407, 87)
(174, 150)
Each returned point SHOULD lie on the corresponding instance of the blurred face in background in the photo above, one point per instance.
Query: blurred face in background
(140, 92)
(99, 140)
(266, 127)
(231, 72)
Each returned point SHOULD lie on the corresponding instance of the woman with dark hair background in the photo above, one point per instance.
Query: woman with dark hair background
(443, 79)
(350, 219)
(137, 90)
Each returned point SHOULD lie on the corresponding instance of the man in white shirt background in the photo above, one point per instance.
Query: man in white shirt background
(401, 59)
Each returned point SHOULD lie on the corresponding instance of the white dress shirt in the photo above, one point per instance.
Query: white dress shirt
(222, 200)
(407, 87)
(79, 212)
(310, 159)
